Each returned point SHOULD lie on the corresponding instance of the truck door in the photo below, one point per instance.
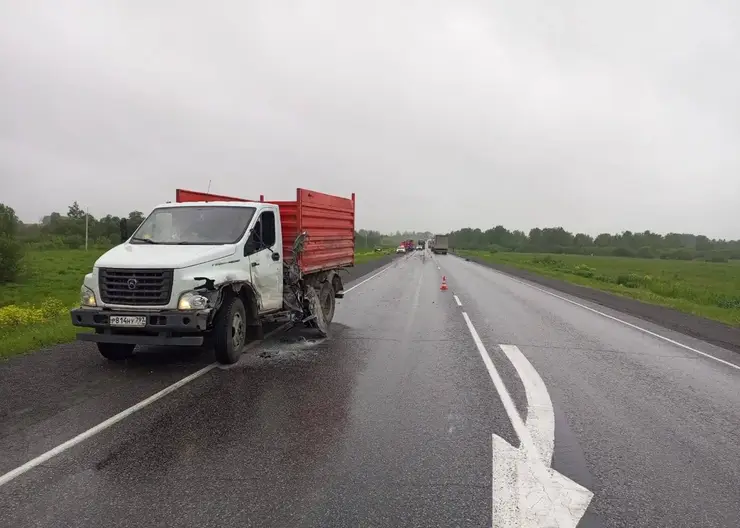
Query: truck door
(266, 260)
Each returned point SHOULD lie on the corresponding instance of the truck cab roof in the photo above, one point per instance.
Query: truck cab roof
(212, 204)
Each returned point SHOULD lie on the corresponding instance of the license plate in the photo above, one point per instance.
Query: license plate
(127, 320)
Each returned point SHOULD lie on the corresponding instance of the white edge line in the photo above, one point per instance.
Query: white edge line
(371, 277)
(457, 300)
(101, 426)
(618, 320)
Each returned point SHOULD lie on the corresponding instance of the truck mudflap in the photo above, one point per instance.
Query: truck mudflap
(142, 328)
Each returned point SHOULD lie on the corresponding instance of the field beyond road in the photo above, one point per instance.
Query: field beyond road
(705, 289)
(34, 312)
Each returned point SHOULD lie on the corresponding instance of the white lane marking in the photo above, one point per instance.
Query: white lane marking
(540, 414)
(621, 321)
(102, 426)
(371, 277)
(543, 497)
(457, 300)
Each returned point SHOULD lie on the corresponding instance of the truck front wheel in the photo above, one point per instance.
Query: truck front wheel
(230, 331)
(116, 351)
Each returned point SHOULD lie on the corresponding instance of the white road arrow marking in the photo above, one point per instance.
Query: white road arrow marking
(540, 415)
(527, 492)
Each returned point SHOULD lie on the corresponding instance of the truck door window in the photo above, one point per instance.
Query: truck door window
(268, 228)
(263, 234)
(253, 241)
(257, 232)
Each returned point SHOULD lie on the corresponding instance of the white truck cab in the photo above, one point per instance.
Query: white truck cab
(157, 267)
(153, 288)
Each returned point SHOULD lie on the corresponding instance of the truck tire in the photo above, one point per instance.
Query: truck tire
(230, 331)
(116, 351)
(327, 300)
(313, 300)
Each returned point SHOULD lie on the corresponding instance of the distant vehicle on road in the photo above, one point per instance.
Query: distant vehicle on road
(215, 268)
(401, 249)
(440, 244)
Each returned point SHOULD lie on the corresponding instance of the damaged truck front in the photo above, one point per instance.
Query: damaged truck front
(212, 269)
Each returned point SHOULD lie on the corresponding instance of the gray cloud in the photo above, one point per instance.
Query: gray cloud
(438, 114)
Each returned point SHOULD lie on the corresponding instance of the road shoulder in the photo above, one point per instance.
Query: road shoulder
(708, 330)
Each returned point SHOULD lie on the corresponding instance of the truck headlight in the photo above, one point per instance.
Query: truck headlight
(192, 301)
(87, 297)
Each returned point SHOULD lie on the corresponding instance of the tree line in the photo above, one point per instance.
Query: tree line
(67, 231)
(646, 244)
(367, 239)
(57, 231)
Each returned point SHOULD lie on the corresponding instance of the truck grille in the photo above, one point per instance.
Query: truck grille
(147, 287)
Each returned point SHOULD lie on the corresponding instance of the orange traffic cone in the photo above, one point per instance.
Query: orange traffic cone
(444, 284)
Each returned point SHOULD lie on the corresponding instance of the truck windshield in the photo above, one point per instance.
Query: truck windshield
(196, 225)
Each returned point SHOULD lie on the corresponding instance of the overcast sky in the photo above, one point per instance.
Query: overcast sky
(598, 116)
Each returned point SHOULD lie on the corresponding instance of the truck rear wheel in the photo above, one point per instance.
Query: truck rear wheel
(116, 351)
(230, 331)
(316, 308)
(327, 300)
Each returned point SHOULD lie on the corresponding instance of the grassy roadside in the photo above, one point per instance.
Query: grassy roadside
(34, 313)
(705, 289)
(366, 256)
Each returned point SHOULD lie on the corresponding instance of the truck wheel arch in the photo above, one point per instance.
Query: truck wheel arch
(246, 293)
(331, 276)
(250, 297)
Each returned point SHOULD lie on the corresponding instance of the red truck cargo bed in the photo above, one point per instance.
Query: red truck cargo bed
(329, 221)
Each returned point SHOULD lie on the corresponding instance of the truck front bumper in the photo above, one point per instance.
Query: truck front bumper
(170, 327)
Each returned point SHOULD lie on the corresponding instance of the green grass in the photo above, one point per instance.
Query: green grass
(58, 274)
(706, 289)
(367, 256)
(53, 274)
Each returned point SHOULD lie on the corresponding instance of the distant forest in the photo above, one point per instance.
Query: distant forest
(678, 246)
(67, 231)
(59, 231)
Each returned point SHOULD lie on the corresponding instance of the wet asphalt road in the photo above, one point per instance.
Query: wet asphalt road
(386, 423)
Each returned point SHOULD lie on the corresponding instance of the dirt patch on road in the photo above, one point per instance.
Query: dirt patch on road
(706, 329)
